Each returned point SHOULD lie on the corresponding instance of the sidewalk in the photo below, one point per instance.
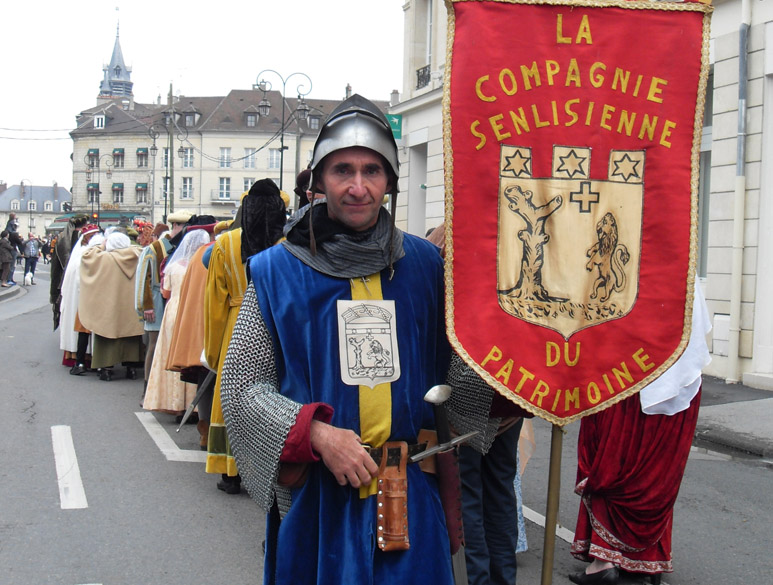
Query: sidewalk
(735, 419)
(11, 292)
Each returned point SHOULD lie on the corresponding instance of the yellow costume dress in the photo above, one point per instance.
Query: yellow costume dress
(166, 391)
(226, 283)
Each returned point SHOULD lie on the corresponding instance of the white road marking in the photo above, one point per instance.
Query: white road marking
(165, 443)
(539, 520)
(71, 493)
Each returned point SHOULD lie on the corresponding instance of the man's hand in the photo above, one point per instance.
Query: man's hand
(343, 454)
(149, 316)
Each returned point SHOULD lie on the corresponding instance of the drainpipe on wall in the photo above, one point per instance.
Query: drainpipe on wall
(736, 271)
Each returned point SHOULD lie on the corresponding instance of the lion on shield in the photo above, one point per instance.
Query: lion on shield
(609, 256)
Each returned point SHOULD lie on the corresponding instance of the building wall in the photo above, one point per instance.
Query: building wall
(422, 189)
(206, 171)
(755, 348)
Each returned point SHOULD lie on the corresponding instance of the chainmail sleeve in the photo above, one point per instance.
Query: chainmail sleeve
(469, 405)
(257, 417)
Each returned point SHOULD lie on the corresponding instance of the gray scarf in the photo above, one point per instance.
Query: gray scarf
(347, 255)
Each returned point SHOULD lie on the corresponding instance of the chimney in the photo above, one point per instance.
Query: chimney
(394, 98)
(56, 191)
(348, 91)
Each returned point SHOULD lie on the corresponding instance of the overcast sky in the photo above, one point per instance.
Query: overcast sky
(53, 53)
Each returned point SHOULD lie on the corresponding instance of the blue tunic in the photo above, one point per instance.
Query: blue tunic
(328, 536)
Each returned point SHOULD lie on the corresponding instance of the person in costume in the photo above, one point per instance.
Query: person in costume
(60, 255)
(308, 384)
(488, 469)
(148, 300)
(187, 344)
(630, 462)
(105, 304)
(74, 340)
(262, 219)
(166, 392)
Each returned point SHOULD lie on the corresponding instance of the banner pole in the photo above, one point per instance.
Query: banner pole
(551, 514)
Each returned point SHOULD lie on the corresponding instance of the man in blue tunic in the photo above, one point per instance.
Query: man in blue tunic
(311, 390)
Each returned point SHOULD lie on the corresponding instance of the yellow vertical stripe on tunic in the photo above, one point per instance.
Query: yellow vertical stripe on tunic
(375, 403)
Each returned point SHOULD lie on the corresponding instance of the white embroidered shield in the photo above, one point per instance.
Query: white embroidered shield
(367, 340)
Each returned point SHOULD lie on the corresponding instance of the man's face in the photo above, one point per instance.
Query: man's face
(354, 181)
(176, 227)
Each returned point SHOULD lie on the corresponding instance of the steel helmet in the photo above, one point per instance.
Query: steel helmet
(357, 122)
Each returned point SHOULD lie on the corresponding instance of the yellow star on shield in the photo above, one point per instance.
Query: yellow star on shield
(625, 168)
(572, 164)
(517, 164)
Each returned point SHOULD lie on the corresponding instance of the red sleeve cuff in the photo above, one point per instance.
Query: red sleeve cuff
(297, 447)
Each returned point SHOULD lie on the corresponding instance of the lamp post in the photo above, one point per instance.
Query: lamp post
(182, 134)
(265, 105)
(93, 162)
(29, 207)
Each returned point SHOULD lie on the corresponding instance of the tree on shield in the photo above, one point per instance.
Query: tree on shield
(533, 238)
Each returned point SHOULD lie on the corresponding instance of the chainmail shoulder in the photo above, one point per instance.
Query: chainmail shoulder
(257, 417)
(469, 405)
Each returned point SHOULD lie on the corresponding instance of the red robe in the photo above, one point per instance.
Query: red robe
(629, 470)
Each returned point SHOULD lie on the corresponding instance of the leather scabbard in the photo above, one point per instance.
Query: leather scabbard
(392, 498)
(450, 489)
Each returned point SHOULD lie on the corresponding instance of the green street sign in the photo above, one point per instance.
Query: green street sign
(396, 123)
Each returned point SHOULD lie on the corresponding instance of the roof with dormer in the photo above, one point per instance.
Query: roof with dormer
(205, 114)
(39, 194)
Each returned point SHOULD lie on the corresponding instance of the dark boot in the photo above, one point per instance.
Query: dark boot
(77, 370)
(230, 485)
(203, 427)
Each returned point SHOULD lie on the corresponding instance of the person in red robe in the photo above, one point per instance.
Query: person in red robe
(630, 462)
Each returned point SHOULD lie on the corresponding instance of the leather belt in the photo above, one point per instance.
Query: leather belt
(393, 453)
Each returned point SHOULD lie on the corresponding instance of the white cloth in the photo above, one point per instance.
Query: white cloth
(68, 337)
(71, 283)
(673, 391)
(117, 241)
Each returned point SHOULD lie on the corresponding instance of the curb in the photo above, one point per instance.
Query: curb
(736, 443)
(11, 293)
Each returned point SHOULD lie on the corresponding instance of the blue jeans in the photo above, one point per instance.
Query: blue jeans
(30, 264)
(489, 510)
(13, 265)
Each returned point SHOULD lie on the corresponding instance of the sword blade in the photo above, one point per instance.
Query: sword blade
(208, 382)
(443, 446)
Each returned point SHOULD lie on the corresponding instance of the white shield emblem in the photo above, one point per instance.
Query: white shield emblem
(569, 246)
(367, 341)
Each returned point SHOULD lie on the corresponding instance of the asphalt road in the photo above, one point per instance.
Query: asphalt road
(149, 514)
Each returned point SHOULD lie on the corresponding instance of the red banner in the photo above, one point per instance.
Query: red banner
(572, 136)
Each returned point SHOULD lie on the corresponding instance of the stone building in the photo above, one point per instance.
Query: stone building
(36, 207)
(204, 152)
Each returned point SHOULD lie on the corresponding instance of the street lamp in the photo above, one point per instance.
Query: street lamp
(29, 207)
(265, 105)
(93, 162)
(182, 135)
